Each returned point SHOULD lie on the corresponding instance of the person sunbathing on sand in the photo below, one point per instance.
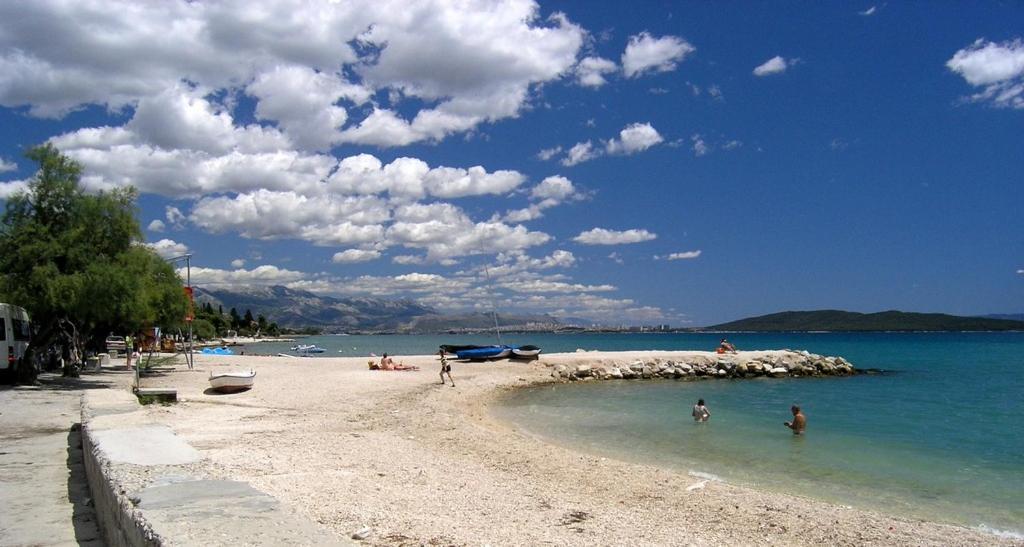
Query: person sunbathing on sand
(386, 363)
(725, 346)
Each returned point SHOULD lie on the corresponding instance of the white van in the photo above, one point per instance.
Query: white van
(15, 332)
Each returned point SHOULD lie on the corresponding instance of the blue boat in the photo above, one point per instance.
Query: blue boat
(216, 351)
(485, 352)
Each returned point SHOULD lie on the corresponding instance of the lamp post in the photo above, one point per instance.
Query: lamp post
(188, 284)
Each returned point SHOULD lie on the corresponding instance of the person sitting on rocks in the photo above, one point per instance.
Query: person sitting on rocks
(726, 347)
(386, 363)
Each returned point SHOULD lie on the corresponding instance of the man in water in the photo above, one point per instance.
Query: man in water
(799, 422)
(700, 412)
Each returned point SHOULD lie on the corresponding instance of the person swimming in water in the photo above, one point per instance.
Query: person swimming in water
(799, 422)
(700, 412)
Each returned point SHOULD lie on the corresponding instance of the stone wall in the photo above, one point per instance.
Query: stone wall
(777, 364)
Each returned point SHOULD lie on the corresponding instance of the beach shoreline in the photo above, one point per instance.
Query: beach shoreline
(419, 462)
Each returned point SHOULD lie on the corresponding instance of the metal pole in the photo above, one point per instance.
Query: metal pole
(188, 282)
(494, 309)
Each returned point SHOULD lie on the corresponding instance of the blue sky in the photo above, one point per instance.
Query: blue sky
(682, 163)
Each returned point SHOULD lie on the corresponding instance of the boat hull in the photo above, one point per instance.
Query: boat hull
(231, 382)
(484, 353)
(526, 352)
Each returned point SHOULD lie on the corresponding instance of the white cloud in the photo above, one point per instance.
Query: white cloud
(1020, 272)
(6, 166)
(242, 278)
(591, 70)
(458, 65)
(732, 145)
(601, 236)
(413, 178)
(646, 53)
(868, 12)
(156, 225)
(579, 153)
(238, 263)
(552, 191)
(685, 255)
(322, 220)
(168, 248)
(548, 153)
(634, 138)
(303, 102)
(9, 188)
(700, 147)
(996, 67)
(351, 256)
(175, 217)
(775, 65)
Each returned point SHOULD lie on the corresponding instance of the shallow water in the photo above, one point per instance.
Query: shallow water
(941, 438)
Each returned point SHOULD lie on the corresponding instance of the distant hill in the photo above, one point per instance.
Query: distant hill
(296, 309)
(1010, 316)
(836, 320)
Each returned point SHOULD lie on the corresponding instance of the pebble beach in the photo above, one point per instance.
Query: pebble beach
(415, 462)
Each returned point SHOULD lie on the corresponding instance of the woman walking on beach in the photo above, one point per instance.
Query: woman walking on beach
(445, 369)
(700, 412)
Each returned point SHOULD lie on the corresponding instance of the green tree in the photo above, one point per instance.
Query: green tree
(75, 261)
(203, 329)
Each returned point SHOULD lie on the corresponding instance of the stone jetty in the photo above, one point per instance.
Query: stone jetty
(707, 365)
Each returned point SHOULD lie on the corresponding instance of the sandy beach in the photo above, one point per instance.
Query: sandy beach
(421, 463)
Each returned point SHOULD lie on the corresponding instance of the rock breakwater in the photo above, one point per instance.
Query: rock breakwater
(706, 365)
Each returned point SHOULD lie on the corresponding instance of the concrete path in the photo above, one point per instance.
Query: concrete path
(44, 498)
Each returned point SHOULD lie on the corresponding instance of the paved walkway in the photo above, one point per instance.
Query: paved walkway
(44, 499)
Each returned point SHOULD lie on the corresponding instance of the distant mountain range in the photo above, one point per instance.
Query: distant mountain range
(297, 308)
(836, 320)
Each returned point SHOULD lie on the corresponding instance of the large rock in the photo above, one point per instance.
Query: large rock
(779, 372)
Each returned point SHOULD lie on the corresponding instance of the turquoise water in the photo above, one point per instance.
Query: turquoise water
(941, 437)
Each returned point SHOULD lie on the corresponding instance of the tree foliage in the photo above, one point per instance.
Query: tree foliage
(75, 260)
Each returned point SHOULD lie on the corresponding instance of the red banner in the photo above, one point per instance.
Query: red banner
(190, 313)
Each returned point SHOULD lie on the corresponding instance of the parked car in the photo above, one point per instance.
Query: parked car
(115, 345)
(15, 333)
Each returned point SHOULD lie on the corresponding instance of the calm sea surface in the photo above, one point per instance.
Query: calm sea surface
(940, 438)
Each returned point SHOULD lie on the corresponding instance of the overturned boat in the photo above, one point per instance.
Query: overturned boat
(525, 352)
(481, 353)
(231, 382)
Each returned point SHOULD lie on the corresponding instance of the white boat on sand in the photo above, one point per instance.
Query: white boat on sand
(230, 382)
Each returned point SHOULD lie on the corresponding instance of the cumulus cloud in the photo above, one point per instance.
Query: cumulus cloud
(269, 215)
(591, 70)
(156, 225)
(775, 65)
(548, 153)
(699, 146)
(168, 248)
(241, 278)
(685, 255)
(458, 65)
(351, 256)
(579, 153)
(634, 138)
(645, 53)
(601, 236)
(6, 166)
(238, 263)
(996, 67)
(9, 188)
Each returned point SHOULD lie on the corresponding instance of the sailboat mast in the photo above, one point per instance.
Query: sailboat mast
(494, 310)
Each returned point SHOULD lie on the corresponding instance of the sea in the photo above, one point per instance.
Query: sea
(939, 435)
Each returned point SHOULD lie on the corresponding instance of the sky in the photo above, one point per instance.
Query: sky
(682, 163)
